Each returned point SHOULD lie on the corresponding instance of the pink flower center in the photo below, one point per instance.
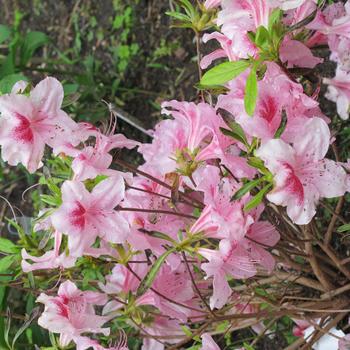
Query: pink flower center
(23, 132)
(293, 184)
(78, 216)
(268, 108)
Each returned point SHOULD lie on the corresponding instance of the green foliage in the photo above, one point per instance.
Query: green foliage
(224, 72)
(251, 92)
(146, 283)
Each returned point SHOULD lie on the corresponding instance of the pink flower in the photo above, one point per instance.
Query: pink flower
(226, 50)
(209, 4)
(335, 20)
(191, 134)
(72, 313)
(221, 218)
(28, 123)
(288, 4)
(161, 326)
(344, 343)
(208, 342)
(339, 92)
(175, 285)
(276, 92)
(295, 53)
(50, 260)
(301, 174)
(237, 18)
(84, 216)
(231, 259)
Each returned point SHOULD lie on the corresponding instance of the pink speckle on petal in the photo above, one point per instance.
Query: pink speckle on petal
(77, 216)
(22, 132)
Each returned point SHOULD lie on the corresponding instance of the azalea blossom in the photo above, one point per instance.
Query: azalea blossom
(301, 174)
(295, 53)
(209, 4)
(208, 342)
(288, 4)
(84, 215)
(231, 260)
(28, 123)
(189, 137)
(339, 92)
(50, 260)
(72, 313)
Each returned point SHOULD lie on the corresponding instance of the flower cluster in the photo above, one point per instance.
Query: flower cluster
(178, 231)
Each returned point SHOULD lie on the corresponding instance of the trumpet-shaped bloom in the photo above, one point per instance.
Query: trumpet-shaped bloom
(50, 260)
(339, 92)
(209, 4)
(295, 53)
(84, 216)
(288, 4)
(192, 131)
(208, 343)
(301, 174)
(27, 124)
(72, 313)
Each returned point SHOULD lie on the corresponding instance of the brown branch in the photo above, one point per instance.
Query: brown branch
(328, 235)
(327, 285)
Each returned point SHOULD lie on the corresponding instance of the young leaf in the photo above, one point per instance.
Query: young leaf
(256, 200)
(275, 16)
(152, 273)
(224, 72)
(246, 188)
(34, 314)
(343, 228)
(6, 262)
(8, 81)
(262, 37)
(32, 41)
(236, 133)
(282, 126)
(6, 246)
(251, 92)
(5, 33)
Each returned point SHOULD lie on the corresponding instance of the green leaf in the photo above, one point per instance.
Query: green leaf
(262, 37)
(224, 72)
(32, 41)
(251, 92)
(235, 135)
(257, 163)
(6, 246)
(5, 33)
(247, 346)
(343, 228)
(152, 273)
(6, 262)
(35, 313)
(246, 188)
(238, 131)
(178, 15)
(274, 18)
(256, 200)
(282, 126)
(6, 83)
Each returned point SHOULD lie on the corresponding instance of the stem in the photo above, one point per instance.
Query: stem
(196, 287)
(313, 261)
(159, 182)
(157, 212)
(334, 219)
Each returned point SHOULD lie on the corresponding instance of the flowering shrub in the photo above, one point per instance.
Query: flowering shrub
(224, 203)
